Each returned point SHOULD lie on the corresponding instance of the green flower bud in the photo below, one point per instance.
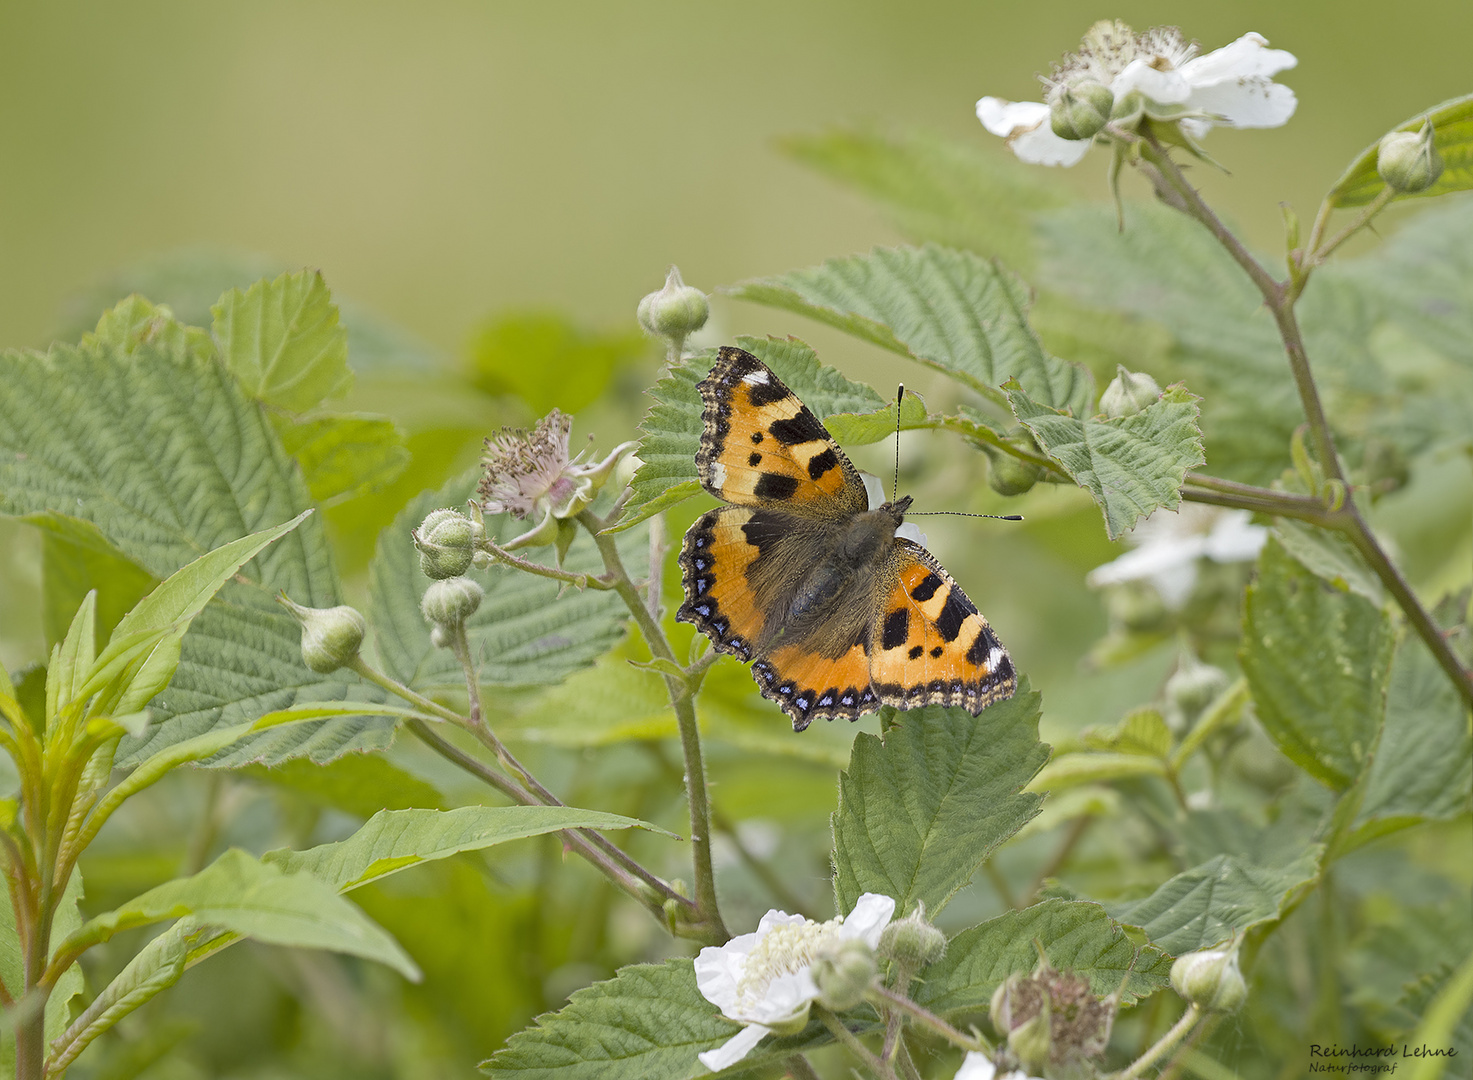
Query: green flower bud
(1191, 688)
(1032, 1041)
(440, 637)
(1408, 160)
(1128, 393)
(844, 974)
(331, 637)
(482, 560)
(676, 311)
(1080, 111)
(451, 600)
(1011, 476)
(913, 941)
(446, 543)
(1210, 979)
(1137, 607)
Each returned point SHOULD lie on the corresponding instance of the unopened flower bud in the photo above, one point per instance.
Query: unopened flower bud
(482, 560)
(1032, 1041)
(1191, 688)
(844, 974)
(1136, 607)
(1210, 979)
(1080, 111)
(1128, 393)
(446, 543)
(676, 311)
(913, 941)
(1408, 160)
(331, 637)
(451, 600)
(440, 637)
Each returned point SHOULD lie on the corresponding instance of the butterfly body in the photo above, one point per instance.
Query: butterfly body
(837, 611)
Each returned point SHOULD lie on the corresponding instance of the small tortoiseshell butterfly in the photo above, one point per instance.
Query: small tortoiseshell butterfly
(837, 613)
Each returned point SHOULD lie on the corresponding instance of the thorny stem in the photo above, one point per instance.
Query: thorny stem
(851, 1041)
(929, 1020)
(1279, 297)
(581, 581)
(593, 846)
(1166, 1042)
(1316, 253)
(707, 924)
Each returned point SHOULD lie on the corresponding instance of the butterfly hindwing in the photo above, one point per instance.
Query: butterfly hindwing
(714, 561)
(928, 643)
(763, 447)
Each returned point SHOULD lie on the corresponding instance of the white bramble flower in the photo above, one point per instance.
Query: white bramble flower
(1156, 74)
(977, 1066)
(529, 474)
(1169, 543)
(763, 980)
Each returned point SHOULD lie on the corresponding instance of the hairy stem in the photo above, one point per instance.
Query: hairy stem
(929, 1020)
(851, 1041)
(1188, 1021)
(708, 912)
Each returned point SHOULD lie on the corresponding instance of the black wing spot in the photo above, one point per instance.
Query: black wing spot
(953, 613)
(896, 629)
(915, 652)
(773, 486)
(762, 530)
(980, 648)
(765, 393)
(937, 651)
(822, 463)
(926, 589)
(756, 436)
(754, 458)
(801, 428)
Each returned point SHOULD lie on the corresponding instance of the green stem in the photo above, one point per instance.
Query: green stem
(1318, 254)
(1166, 1042)
(708, 911)
(581, 581)
(929, 1020)
(1279, 298)
(851, 1041)
(798, 1068)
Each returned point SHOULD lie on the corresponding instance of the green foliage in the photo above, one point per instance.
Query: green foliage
(282, 340)
(395, 840)
(672, 427)
(1452, 124)
(68, 987)
(921, 811)
(344, 456)
(1131, 465)
(950, 310)
(550, 362)
(256, 900)
(1317, 661)
(1074, 934)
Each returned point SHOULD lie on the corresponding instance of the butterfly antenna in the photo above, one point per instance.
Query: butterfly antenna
(960, 513)
(895, 487)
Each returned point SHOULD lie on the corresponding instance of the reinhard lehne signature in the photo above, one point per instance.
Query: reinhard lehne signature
(1356, 1059)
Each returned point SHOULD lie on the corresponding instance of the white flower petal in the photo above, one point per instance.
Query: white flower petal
(1155, 557)
(776, 918)
(734, 1049)
(786, 1000)
(1165, 87)
(872, 913)
(1025, 125)
(1174, 583)
(976, 1066)
(719, 970)
(1194, 127)
(874, 488)
(1009, 118)
(1248, 57)
(1234, 538)
(1247, 103)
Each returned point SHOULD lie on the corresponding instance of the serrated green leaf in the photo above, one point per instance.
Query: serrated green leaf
(1331, 556)
(523, 634)
(58, 1005)
(1131, 465)
(950, 310)
(1095, 767)
(948, 192)
(1211, 903)
(343, 456)
(282, 340)
(357, 784)
(1075, 934)
(1423, 766)
(239, 893)
(920, 812)
(1452, 123)
(672, 426)
(1317, 660)
(860, 429)
(134, 322)
(167, 458)
(647, 1023)
(77, 559)
(394, 840)
(1447, 1018)
(1142, 731)
(549, 361)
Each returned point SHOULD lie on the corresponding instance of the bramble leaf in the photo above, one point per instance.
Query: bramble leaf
(1317, 660)
(950, 310)
(344, 455)
(1131, 465)
(282, 340)
(921, 811)
(1452, 125)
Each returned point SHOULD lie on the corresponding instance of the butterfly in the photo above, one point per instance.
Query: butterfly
(836, 612)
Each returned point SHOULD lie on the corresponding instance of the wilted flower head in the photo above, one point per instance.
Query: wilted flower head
(1156, 75)
(764, 979)
(1052, 1017)
(529, 475)
(1169, 543)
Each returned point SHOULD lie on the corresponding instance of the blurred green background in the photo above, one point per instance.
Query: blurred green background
(446, 163)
